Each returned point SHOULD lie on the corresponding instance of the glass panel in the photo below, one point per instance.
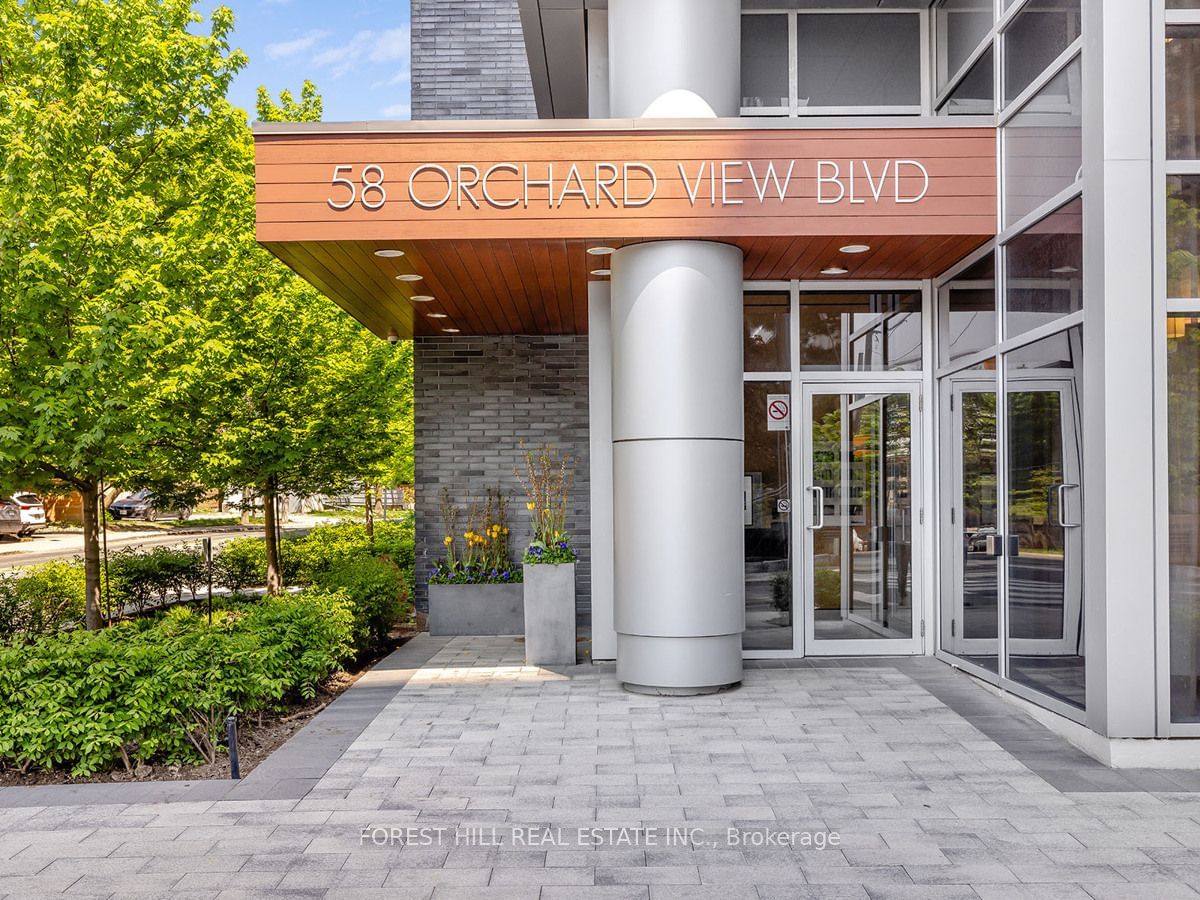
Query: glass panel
(1045, 505)
(971, 310)
(766, 346)
(1044, 268)
(1183, 4)
(1183, 91)
(1183, 236)
(974, 94)
(1183, 499)
(766, 488)
(860, 332)
(961, 25)
(862, 529)
(765, 61)
(860, 59)
(1034, 39)
(1043, 145)
(973, 631)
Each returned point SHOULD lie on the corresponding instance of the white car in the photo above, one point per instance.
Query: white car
(33, 513)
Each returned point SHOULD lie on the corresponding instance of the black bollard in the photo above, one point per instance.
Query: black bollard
(235, 771)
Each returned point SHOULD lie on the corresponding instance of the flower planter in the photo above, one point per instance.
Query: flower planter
(476, 609)
(550, 614)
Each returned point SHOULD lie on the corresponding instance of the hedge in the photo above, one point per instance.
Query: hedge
(159, 689)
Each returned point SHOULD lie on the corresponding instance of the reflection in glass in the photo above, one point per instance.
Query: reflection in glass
(766, 346)
(1044, 269)
(1034, 39)
(860, 59)
(860, 332)
(973, 629)
(1183, 236)
(765, 484)
(1183, 499)
(971, 310)
(1183, 91)
(1043, 145)
(861, 531)
(765, 61)
(1045, 509)
(973, 95)
(961, 25)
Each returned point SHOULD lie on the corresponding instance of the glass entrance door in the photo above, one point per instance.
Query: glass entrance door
(860, 517)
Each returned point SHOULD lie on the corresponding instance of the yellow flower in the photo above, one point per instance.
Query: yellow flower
(448, 541)
(529, 506)
(506, 531)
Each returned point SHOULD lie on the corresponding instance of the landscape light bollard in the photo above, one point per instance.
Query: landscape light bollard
(235, 771)
(208, 570)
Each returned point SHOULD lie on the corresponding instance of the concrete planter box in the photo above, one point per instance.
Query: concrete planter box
(550, 615)
(476, 609)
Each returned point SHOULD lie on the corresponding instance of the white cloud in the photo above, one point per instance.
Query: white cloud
(284, 49)
(386, 46)
(403, 76)
(397, 111)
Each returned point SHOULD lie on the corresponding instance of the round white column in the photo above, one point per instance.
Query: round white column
(678, 587)
(677, 465)
(674, 58)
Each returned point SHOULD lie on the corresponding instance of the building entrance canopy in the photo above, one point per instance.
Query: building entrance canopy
(496, 220)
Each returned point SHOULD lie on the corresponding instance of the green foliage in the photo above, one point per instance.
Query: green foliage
(159, 690)
(155, 577)
(460, 573)
(376, 592)
(41, 599)
(288, 109)
(242, 563)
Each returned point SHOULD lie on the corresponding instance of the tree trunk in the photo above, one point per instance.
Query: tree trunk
(247, 506)
(274, 574)
(369, 504)
(91, 555)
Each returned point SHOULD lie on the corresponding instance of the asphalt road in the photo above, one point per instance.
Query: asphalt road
(48, 546)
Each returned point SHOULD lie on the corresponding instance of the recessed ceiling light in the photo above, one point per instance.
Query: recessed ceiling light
(436, 315)
(1064, 270)
(599, 251)
(602, 272)
(834, 270)
(856, 248)
(389, 254)
(409, 277)
(421, 298)
(450, 330)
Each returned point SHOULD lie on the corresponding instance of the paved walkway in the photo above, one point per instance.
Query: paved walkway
(482, 778)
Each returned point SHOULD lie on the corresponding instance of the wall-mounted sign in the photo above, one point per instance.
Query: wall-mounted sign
(779, 412)
(633, 184)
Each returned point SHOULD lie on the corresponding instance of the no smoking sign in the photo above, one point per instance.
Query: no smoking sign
(779, 412)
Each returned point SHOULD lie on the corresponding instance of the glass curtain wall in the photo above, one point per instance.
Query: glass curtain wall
(767, 478)
(1182, 210)
(1010, 359)
(829, 62)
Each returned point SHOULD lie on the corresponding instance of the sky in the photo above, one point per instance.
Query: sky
(355, 51)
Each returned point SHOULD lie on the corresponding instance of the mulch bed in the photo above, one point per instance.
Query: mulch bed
(258, 737)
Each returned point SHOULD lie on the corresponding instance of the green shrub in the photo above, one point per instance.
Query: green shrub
(41, 599)
(375, 590)
(145, 578)
(242, 563)
(160, 689)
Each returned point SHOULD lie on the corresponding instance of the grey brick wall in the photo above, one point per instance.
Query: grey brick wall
(476, 399)
(469, 62)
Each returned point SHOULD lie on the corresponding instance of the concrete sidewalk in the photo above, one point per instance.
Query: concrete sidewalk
(478, 777)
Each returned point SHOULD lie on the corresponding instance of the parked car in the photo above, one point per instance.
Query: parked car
(977, 542)
(33, 513)
(10, 518)
(142, 505)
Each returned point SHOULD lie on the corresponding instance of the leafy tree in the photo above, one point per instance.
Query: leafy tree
(116, 142)
(310, 397)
